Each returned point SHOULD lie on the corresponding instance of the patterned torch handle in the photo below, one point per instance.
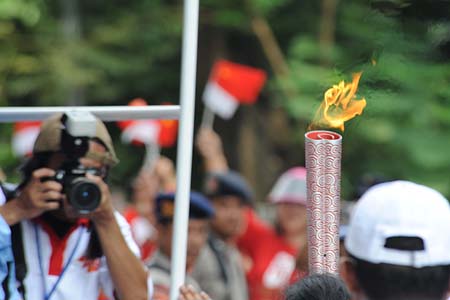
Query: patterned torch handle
(323, 164)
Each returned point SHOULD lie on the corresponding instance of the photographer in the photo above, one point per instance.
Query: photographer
(69, 242)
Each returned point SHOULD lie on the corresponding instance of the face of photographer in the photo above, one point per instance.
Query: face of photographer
(39, 196)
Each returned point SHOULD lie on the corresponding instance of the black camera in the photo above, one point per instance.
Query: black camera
(83, 194)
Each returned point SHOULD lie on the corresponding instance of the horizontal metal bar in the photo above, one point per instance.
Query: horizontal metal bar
(105, 113)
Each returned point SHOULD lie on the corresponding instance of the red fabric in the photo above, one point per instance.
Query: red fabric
(261, 243)
(243, 82)
(18, 126)
(130, 213)
(128, 123)
(102, 296)
(91, 265)
(58, 245)
(168, 129)
(135, 102)
(167, 133)
(149, 246)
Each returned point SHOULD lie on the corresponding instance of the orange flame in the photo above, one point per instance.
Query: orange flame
(339, 105)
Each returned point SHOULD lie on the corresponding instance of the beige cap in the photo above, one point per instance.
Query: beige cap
(49, 139)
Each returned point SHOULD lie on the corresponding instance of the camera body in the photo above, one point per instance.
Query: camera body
(83, 194)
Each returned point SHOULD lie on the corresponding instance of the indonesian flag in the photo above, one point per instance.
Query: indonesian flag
(167, 132)
(230, 84)
(24, 136)
(148, 132)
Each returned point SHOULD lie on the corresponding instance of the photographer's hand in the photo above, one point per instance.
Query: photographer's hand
(35, 198)
(127, 272)
(104, 213)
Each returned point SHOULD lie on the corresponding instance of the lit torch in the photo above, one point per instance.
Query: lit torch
(323, 163)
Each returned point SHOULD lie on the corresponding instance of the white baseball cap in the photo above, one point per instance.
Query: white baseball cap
(401, 223)
(290, 187)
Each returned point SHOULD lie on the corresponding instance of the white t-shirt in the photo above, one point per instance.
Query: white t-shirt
(82, 279)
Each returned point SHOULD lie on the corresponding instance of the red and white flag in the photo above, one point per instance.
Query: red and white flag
(153, 134)
(231, 84)
(148, 132)
(139, 132)
(24, 136)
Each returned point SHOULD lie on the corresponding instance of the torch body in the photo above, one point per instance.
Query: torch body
(323, 164)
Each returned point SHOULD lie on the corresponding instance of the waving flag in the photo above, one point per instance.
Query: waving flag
(24, 136)
(147, 132)
(231, 84)
(139, 132)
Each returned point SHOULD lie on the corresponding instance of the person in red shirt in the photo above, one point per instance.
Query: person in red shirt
(273, 255)
(271, 252)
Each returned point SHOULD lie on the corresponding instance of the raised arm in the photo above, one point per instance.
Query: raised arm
(210, 148)
(128, 274)
(165, 172)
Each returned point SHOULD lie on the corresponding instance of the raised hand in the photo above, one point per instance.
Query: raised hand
(188, 292)
(210, 147)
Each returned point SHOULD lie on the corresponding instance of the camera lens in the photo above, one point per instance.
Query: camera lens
(84, 195)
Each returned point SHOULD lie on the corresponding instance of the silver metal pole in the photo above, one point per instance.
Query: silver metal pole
(184, 154)
(105, 113)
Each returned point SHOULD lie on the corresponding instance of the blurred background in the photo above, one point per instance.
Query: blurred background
(97, 52)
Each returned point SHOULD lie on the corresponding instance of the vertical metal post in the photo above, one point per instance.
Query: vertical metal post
(185, 143)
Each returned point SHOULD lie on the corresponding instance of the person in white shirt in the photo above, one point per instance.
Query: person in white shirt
(72, 243)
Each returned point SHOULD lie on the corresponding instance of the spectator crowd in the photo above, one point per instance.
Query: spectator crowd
(62, 236)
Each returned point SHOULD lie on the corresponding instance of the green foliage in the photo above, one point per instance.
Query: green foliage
(127, 49)
(119, 51)
(403, 132)
(27, 12)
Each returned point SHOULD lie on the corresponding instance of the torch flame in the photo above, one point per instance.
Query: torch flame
(338, 105)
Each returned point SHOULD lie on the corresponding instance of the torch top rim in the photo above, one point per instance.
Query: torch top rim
(319, 135)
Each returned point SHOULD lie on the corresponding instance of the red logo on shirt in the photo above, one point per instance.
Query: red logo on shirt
(91, 265)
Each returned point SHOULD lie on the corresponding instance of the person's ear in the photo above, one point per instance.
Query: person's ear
(348, 274)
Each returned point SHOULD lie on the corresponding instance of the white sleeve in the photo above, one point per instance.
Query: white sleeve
(150, 287)
(126, 233)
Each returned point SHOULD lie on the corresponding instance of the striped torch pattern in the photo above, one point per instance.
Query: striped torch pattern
(323, 164)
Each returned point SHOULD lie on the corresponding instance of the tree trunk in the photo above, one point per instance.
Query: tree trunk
(327, 30)
(71, 30)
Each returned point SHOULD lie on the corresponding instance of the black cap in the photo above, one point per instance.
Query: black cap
(228, 183)
(199, 207)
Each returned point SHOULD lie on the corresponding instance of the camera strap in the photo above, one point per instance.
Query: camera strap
(19, 257)
(69, 260)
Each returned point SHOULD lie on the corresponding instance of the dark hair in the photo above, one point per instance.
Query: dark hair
(318, 287)
(37, 161)
(389, 282)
